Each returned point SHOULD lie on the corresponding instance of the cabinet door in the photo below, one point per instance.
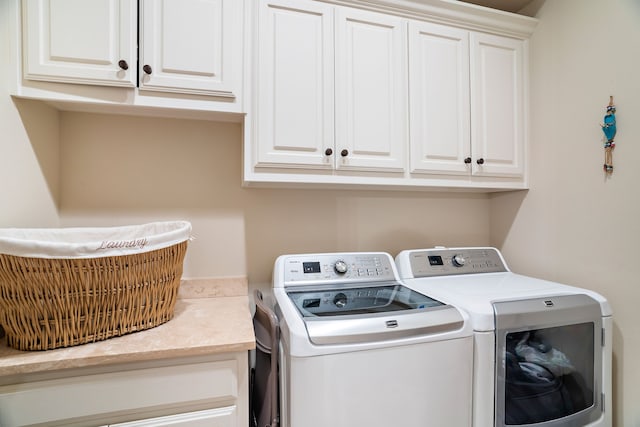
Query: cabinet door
(79, 41)
(497, 114)
(191, 46)
(222, 417)
(371, 91)
(439, 99)
(102, 395)
(295, 84)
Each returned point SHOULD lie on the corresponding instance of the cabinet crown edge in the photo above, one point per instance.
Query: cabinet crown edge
(452, 12)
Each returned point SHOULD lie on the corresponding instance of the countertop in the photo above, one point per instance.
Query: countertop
(211, 316)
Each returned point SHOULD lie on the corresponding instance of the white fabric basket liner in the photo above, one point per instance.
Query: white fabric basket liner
(89, 242)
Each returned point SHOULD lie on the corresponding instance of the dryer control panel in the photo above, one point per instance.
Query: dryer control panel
(337, 267)
(451, 261)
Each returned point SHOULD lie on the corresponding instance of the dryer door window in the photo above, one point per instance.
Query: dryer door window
(548, 373)
(548, 362)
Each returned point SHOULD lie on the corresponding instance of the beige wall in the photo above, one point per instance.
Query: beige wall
(28, 165)
(28, 160)
(575, 225)
(124, 169)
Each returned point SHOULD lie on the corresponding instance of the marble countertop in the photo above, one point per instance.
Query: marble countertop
(210, 317)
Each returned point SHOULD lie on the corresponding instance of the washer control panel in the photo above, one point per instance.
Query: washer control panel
(342, 267)
(445, 262)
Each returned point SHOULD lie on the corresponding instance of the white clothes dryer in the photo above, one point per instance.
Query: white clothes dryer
(542, 350)
(359, 348)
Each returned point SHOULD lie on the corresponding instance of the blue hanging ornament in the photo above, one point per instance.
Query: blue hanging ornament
(609, 129)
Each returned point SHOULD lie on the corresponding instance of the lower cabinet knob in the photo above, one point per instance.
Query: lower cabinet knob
(123, 64)
(328, 152)
(147, 69)
(344, 153)
(480, 161)
(467, 160)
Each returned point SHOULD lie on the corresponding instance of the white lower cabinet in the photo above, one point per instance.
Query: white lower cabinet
(203, 391)
(224, 417)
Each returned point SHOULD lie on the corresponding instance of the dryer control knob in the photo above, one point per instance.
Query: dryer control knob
(340, 267)
(458, 260)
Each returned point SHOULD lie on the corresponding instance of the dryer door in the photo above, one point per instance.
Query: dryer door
(549, 361)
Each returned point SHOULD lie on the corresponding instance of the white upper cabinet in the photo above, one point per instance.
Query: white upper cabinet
(179, 54)
(466, 102)
(391, 93)
(330, 85)
(370, 90)
(182, 46)
(384, 93)
(439, 99)
(497, 113)
(79, 41)
(295, 84)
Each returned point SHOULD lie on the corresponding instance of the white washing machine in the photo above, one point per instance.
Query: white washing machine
(542, 350)
(359, 348)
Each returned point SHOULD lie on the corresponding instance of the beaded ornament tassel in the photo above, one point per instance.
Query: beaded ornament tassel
(609, 129)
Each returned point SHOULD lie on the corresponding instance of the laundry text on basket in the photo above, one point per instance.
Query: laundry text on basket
(115, 244)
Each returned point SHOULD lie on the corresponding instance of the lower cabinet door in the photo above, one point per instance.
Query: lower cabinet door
(220, 417)
(79, 399)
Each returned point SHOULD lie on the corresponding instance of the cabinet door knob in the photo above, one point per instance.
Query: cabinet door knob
(147, 69)
(467, 160)
(344, 153)
(123, 64)
(480, 161)
(328, 152)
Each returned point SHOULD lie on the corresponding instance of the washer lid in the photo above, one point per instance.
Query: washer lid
(339, 315)
(336, 300)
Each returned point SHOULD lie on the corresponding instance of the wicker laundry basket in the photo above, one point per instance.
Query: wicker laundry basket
(71, 286)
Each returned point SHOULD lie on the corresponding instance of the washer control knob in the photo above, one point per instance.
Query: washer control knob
(340, 267)
(458, 260)
(340, 300)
